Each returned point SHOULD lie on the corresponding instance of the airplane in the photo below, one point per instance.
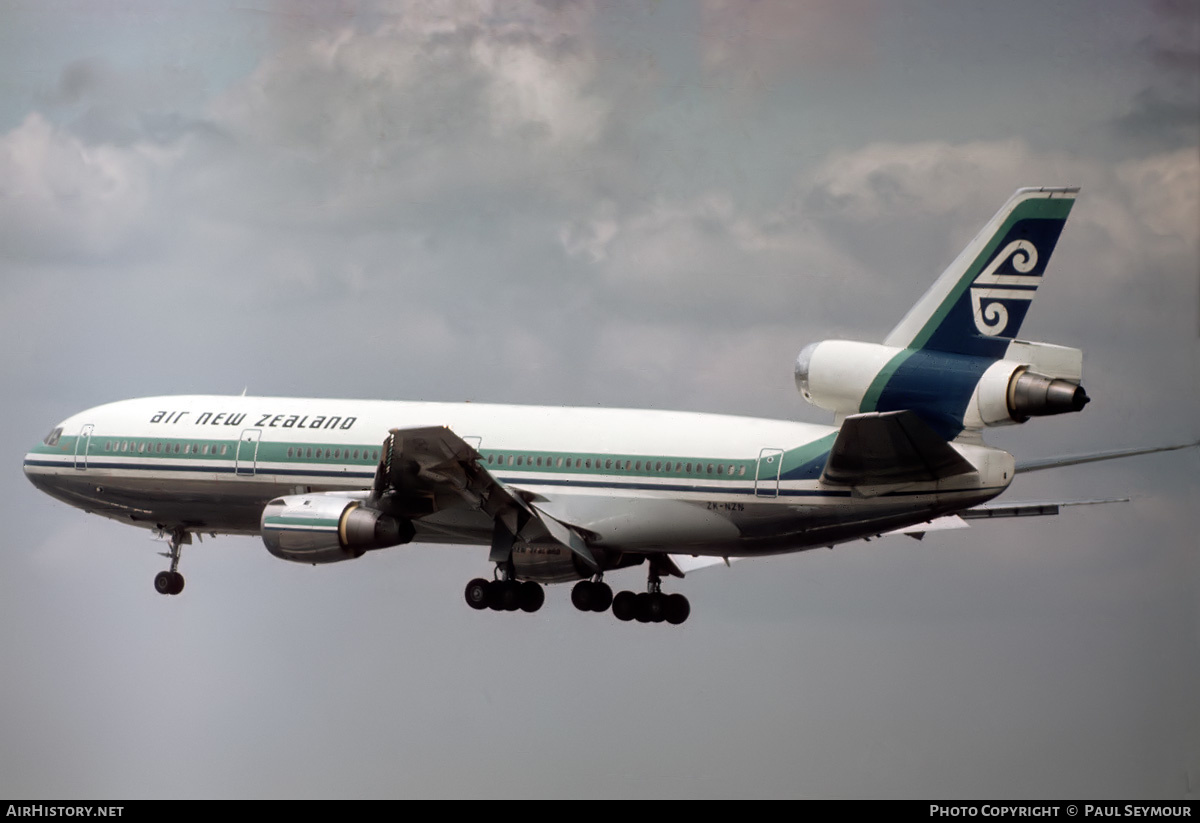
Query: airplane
(568, 494)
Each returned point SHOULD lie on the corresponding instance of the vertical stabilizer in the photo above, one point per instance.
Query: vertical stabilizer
(978, 304)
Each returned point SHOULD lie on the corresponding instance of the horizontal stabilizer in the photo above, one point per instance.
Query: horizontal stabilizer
(1040, 509)
(1039, 464)
(884, 448)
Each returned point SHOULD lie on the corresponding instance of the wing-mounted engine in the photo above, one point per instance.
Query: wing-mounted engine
(327, 528)
(950, 391)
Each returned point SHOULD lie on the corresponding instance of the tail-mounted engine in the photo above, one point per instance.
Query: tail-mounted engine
(951, 391)
(326, 528)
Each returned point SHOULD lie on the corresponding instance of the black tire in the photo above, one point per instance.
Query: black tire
(624, 606)
(495, 595)
(477, 593)
(642, 607)
(163, 583)
(532, 596)
(176, 582)
(602, 597)
(678, 609)
(656, 608)
(510, 595)
(582, 596)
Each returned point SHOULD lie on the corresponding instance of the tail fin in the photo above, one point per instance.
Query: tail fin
(978, 304)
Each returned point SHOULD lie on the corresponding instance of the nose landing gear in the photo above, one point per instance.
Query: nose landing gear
(171, 582)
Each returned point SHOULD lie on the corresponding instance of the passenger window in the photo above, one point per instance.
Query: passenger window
(107, 445)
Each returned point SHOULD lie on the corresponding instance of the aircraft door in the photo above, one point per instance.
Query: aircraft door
(82, 443)
(246, 460)
(766, 476)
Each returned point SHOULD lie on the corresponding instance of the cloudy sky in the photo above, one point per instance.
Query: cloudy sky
(648, 204)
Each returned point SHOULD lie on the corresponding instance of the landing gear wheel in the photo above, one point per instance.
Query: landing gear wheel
(164, 583)
(477, 593)
(581, 595)
(652, 607)
(677, 609)
(176, 582)
(624, 606)
(531, 596)
(591, 596)
(602, 597)
(503, 596)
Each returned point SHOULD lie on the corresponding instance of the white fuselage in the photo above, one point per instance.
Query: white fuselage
(637, 480)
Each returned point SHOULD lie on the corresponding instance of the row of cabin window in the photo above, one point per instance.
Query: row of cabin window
(619, 465)
(143, 446)
(336, 454)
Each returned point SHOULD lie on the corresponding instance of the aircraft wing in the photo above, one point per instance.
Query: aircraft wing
(1038, 464)
(887, 448)
(430, 468)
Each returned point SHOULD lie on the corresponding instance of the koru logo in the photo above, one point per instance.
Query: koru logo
(992, 318)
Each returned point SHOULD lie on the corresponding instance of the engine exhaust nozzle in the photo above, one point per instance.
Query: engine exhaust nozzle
(1033, 395)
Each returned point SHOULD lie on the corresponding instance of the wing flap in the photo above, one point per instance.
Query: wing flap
(429, 468)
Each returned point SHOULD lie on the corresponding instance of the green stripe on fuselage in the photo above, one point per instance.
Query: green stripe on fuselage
(871, 398)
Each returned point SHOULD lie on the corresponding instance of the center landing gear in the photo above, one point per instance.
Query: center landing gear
(652, 606)
(592, 595)
(504, 594)
(171, 582)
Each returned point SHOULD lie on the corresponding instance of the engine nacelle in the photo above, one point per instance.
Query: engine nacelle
(327, 528)
(835, 374)
(952, 391)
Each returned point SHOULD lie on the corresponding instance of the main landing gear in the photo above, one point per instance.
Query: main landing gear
(651, 606)
(504, 594)
(171, 582)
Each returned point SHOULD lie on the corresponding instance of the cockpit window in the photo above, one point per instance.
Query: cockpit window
(52, 437)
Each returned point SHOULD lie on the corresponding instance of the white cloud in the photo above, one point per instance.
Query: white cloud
(60, 196)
